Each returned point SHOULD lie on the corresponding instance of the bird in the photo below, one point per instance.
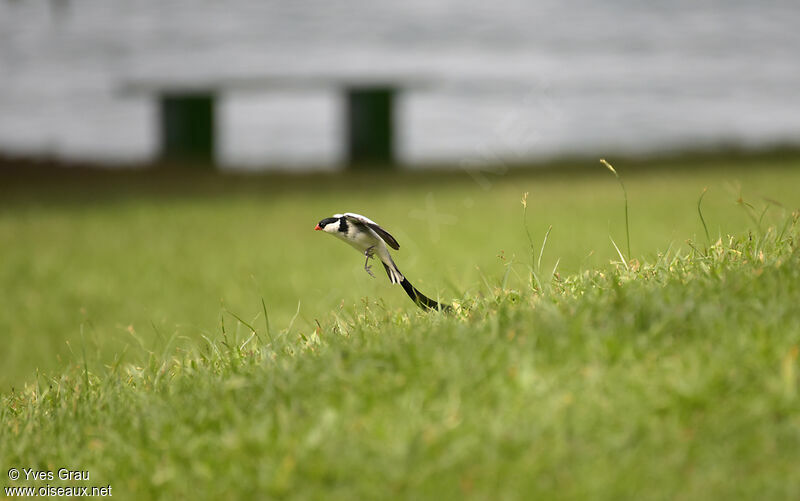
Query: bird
(367, 236)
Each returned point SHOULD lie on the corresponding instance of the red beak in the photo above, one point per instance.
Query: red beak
(317, 228)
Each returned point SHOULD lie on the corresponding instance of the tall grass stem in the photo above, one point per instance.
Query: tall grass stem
(625, 194)
(702, 219)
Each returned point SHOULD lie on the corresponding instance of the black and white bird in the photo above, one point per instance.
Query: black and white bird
(370, 239)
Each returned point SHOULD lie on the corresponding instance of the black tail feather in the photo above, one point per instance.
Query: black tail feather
(421, 299)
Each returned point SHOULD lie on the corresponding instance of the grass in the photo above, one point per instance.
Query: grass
(134, 258)
(669, 375)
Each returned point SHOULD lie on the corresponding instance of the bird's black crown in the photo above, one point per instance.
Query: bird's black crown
(328, 220)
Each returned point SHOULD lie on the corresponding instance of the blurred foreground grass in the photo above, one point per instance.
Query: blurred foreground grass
(95, 262)
(674, 376)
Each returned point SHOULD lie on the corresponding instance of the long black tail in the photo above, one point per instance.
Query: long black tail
(422, 300)
(419, 298)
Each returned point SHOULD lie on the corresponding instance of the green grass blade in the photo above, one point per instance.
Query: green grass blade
(702, 219)
(266, 319)
(619, 252)
(625, 195)
(541, 252)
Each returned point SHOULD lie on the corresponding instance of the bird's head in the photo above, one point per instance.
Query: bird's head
(329, 225)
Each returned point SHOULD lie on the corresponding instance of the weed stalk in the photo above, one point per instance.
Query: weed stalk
(625, 194)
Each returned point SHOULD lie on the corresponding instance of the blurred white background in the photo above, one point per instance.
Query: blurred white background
(512, 79)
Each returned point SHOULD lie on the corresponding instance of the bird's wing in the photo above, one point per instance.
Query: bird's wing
(359, 219)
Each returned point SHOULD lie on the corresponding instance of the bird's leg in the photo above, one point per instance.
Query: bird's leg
(369, 253)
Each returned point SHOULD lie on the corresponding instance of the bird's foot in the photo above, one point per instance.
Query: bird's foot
(369, 253)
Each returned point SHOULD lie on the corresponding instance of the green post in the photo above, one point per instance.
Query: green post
(370, 125)
(187, 128)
